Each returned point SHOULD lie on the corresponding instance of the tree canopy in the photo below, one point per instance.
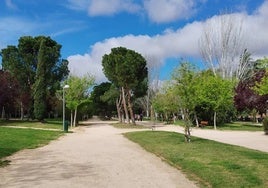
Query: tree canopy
(22, 62)
(127, 70)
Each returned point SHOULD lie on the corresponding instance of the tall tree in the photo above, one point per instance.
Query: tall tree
(8, 91)
(127, 70)
(221, 45)
(214, 92)
(22, 62)
(40, 85)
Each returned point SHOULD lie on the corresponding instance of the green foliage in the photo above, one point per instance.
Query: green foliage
(104, 102)
(185, 83)
(167, 101)
(210, 163)
(262, 87)
(40, 85)
(78, 92)
(126, 68)
(22, 62)
(215, 94)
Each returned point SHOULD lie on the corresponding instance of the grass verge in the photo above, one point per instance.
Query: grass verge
(48, 124)
(210, 163)
(128, 126)
(13, 140)
(235, 126)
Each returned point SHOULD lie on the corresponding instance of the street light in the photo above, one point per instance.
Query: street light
(63, 107)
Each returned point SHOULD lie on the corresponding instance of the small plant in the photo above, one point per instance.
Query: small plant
(265, 125)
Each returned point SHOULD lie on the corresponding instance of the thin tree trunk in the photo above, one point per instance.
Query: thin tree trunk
(187, 126)
(118, 111)
(125, 105)
(215, 118)
(3, 113)
(75, 114)
(72, 121)
(21, 111)
(196, 120)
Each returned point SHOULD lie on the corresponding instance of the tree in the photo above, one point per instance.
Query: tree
(250, 93)
(77, 93)
(8, 91)
(214, 93)
(262, 85)
(22, 63)
(167, 102)
(127, 70)
(102, 107)
(221, 45)
(184, 78)
(40, 86)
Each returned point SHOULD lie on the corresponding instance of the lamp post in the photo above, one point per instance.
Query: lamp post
(63, 107)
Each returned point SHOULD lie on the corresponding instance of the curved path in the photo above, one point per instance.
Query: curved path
(93, 156)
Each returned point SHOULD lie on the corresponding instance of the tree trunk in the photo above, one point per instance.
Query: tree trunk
(215, 118)
(130, 108)
(75, 114)
(187, 126)
(72, 120)
(196, 120)
(3, 113)
(118, 110)
(21, 111)
(125, 105)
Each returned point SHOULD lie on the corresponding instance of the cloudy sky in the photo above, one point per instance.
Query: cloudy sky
(164, 31)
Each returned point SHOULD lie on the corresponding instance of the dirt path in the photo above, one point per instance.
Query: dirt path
(95, 156)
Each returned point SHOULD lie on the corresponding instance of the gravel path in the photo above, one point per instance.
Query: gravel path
(94, 156)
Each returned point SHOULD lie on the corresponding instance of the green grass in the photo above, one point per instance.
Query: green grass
(48, 124)
(235, 126)
(128, 126)
(16, 139)
(210, 163)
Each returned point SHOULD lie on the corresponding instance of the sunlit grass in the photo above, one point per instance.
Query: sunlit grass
(210, 163)
(47, 124)
(16, 139)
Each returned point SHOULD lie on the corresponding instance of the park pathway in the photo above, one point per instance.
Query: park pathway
(93, 156)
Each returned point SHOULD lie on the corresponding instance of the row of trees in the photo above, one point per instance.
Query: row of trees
(32, 73)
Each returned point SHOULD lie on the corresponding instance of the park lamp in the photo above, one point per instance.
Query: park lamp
(63, 108)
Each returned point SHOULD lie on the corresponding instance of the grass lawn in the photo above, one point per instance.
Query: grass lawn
(235, 126)
(49, 123)
(210, 163)
(128, 126)
(15, 139)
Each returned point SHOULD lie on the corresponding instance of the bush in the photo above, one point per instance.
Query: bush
(265, 125)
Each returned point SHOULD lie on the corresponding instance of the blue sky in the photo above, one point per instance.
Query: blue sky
(164, 31)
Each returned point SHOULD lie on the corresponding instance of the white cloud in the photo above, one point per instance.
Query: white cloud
(172, 43)
(256, 27)
(183, 42)
(161, 11)
(110, 7)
